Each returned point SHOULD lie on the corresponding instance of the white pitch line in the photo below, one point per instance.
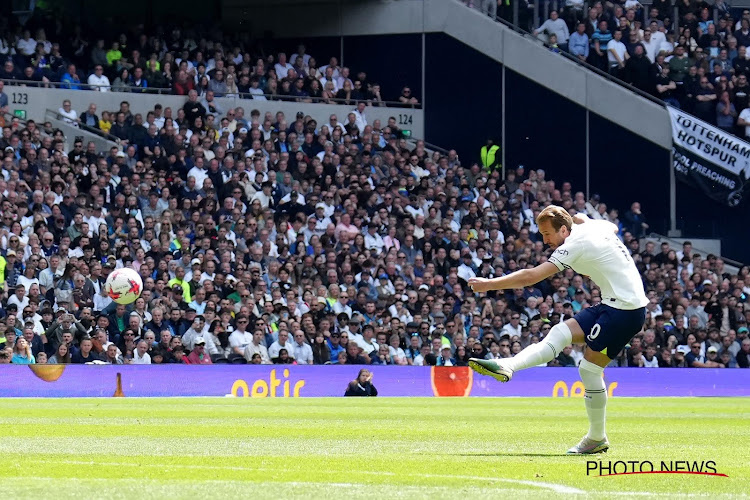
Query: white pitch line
(556, 488)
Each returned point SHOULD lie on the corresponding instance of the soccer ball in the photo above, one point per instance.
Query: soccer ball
(124, 285)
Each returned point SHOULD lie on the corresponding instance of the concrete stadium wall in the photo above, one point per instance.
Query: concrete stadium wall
(329, 381)
(327, 18)
(35, 101)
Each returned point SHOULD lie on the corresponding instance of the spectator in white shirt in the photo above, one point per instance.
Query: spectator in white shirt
(329, 77)
(359, 113)
(240, 338)
(465, 271)
(282, 67)
(140, 355)
(256, 347)
(281, 343)
(302, 351)
(26, 45)
(98, 80)
(68, 115)
(373, 240)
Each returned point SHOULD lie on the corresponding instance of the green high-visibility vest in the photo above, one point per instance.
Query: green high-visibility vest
(488, 156)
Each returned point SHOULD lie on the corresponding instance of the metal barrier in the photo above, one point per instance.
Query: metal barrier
(102, 140)
(241, 95)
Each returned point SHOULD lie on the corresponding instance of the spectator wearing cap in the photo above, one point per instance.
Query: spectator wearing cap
(466, 270)
(366, 340)
(335, 347)
(446, 358)
(199, 356)
(321, 220)
(373, 240)
(694, 359)
(385, 288)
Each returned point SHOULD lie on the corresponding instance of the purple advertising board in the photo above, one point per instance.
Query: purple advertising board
(324, 381)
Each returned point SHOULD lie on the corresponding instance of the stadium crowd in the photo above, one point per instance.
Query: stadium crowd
(275, 239)
(177, 63)
(701, 67)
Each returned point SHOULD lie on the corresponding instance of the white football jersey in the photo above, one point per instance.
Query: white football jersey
(593, 249)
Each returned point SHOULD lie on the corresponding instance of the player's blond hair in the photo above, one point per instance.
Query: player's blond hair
(557, 216)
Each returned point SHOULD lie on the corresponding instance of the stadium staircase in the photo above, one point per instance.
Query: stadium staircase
(103, 141)
(526, 55)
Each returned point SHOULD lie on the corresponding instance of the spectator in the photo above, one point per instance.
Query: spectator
(579, 43)
(694, 359)
(283, 358)
(22, 353)
(256, 347)
(70, 79)
(636, 221)
(98, 80)
(68, 114)
(61, 356)
(199, 356)
(303, 353)
(555, 26)
(85, 354)
(362, 386)
(321, 349)
(353, 355)
(407, 99)
(140, 355)
(282, 342)
(743, 356)
(726, 113)
(3, 99)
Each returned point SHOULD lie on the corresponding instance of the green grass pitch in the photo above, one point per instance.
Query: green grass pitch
(357, 448)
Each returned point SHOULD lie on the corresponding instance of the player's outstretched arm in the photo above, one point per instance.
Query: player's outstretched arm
(519, 279)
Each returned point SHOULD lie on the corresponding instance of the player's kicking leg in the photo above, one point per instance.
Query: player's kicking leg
(609, 329)
(537, 354)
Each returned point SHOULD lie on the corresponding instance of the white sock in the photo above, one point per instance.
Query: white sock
(542, 352)
(595, 398)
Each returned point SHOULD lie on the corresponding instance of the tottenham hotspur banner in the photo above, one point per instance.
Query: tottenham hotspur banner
(707, 157)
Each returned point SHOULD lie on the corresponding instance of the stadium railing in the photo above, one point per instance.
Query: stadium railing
(34, 101)
(169, 91)
(103, 140)
(577, 61)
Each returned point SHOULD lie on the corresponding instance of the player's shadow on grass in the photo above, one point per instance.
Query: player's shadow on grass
(513, 454)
